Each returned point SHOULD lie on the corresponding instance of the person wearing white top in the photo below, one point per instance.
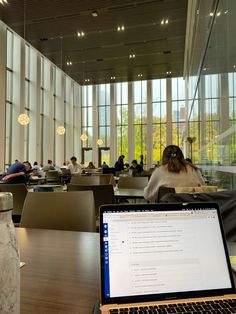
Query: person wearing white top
(74, 167)
(175, 171)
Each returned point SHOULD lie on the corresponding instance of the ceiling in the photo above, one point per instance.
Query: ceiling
(51, 26)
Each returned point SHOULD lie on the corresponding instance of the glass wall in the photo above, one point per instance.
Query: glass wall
(212, 110)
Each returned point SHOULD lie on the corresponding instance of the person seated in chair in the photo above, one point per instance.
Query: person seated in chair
(90, 165)
(49, 166)
(175, 171)
(135, 168)
(17, 173)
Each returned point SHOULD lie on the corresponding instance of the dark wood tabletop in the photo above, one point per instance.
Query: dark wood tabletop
(129, 193)
(61, 274)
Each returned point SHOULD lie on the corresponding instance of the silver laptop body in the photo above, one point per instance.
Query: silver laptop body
(156, 255)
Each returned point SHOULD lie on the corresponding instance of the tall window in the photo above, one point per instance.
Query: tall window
(27, 100)
(87, 115)
(232, 113)
(9, 99)
(158, 118)
(104, 114)
(140, 118)
(178, 110)
(121, 102)
(212, 118)
(194, 131)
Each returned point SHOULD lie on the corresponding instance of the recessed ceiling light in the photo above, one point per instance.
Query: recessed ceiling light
(234, 65)
(68, 63)
(113, 77)
(80, 34)
(164, 21)
(3, 2)
(211, 14)
(204, 69)
(132, 56)
(120, 28)
(218, 13)
(95, 13)
(140, 75)
(226, 12)
(87, 80)
(168, 72)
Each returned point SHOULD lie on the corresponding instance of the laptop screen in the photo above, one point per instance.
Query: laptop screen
(154, 249)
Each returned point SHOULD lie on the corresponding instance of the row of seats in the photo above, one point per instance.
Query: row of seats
(54, 207)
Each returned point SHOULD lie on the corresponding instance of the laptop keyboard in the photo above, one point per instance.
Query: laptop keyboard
(207, 307)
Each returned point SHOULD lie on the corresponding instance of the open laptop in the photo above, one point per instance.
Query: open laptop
(164, 258)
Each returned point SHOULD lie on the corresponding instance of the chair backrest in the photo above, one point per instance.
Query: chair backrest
(65, 172)
(132, 182)
(62, 211)
(52, 176)
(163, 190)
(198, 189)
(225, 199)
(85, 180)
(105, 178)
(19, 192)
(103, 194)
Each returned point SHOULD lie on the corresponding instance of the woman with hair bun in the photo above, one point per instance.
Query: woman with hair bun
(174, 171)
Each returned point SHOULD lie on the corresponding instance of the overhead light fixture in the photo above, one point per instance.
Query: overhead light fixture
(99, 141)
(140, 75)
(234, 66)
(87, 80)
(211, 14)
(61, 130)
(218, 13)
(23, 119)
(132, 56)
(3, 2)
(95, 13)
(120, 28)
(68, 63)
(113, 77)
(83, 137)
(226, 12)
(164, 21)
(168, 72)
(80, 34)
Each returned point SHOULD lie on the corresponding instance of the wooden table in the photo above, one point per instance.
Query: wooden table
(61, 274)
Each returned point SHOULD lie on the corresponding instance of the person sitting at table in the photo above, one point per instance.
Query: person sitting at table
(119, 165)
(17, 173)
(175, 171)
(90, 165)
(104, 165)
(49, 166)
(74, 167)
(135, 168)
